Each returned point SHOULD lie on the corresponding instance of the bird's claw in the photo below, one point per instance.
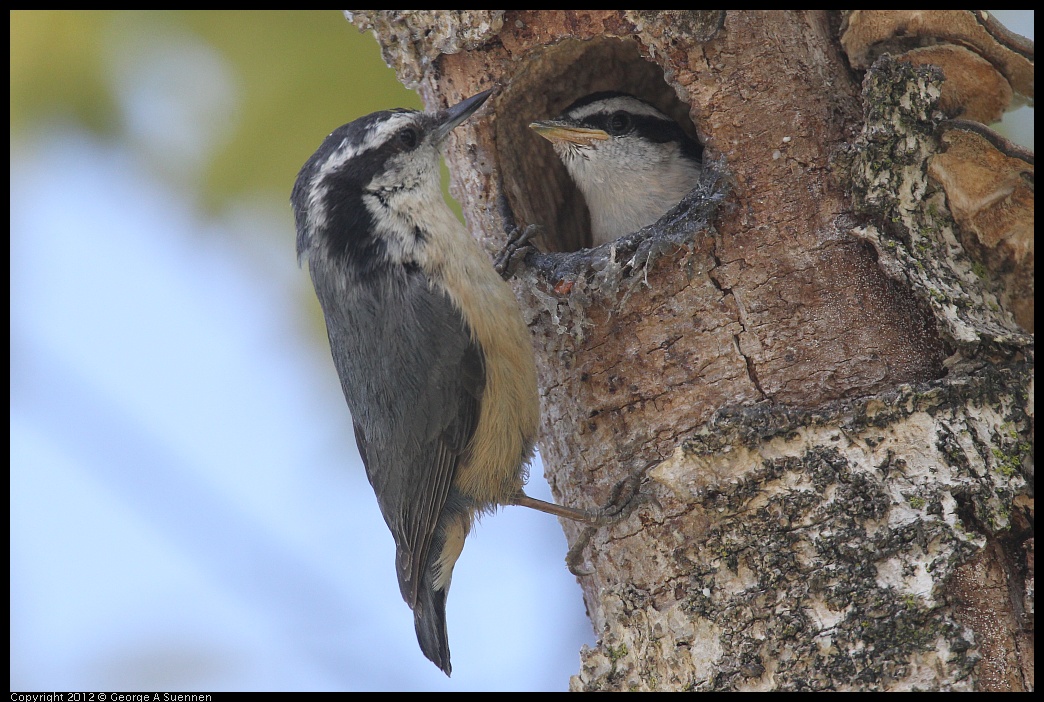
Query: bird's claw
(624, 499)
(514, 253)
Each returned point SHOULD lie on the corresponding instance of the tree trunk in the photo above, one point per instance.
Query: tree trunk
(825, 352)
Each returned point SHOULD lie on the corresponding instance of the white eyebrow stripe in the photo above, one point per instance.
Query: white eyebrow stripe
(342, 155)
(374, 137)
(386, 128)
(610, 105)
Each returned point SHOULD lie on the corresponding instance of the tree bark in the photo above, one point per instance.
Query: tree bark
(825, 351)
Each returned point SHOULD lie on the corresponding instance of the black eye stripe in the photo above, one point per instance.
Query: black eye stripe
(618, 123)
(408, 137)
(655, 129)
(652, 128)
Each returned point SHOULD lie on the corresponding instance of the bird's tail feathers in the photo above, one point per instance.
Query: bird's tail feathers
(429, 618)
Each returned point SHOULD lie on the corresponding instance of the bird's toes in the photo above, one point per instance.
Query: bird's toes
(512, 257)
(625, 497)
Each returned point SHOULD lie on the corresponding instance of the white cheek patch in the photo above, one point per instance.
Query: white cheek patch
(403, 171)
(574, 156)
(405, 198)
(397, 226)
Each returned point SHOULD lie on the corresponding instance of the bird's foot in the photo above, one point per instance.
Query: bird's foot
(512, 256)
(624, 499)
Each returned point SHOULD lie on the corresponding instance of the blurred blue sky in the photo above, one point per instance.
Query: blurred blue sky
(188, 511)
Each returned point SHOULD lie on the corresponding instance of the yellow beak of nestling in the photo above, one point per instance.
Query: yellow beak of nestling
(563, 132)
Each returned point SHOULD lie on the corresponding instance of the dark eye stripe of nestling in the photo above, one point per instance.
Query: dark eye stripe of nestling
(655, 129)
(652, 128)
(348, 231)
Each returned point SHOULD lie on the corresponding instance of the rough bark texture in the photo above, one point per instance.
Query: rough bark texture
(830, 367)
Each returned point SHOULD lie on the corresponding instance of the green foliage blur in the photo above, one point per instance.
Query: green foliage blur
(298, 75)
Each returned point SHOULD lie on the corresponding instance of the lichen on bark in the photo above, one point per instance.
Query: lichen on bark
(809, 550)
(910, 224)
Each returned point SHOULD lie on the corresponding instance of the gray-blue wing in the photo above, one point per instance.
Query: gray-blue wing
(413, 379)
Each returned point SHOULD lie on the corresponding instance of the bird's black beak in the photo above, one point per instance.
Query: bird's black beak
(452, 116)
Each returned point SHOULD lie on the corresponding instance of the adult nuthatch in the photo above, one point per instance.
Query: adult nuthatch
(631, 162)
(434, 357)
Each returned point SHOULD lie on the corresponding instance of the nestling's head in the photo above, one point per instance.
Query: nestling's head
(631, 162)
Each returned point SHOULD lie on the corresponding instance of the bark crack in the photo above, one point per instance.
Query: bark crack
(752, 371)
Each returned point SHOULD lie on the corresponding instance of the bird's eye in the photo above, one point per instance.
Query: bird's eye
(408, 137)
(619, 122)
